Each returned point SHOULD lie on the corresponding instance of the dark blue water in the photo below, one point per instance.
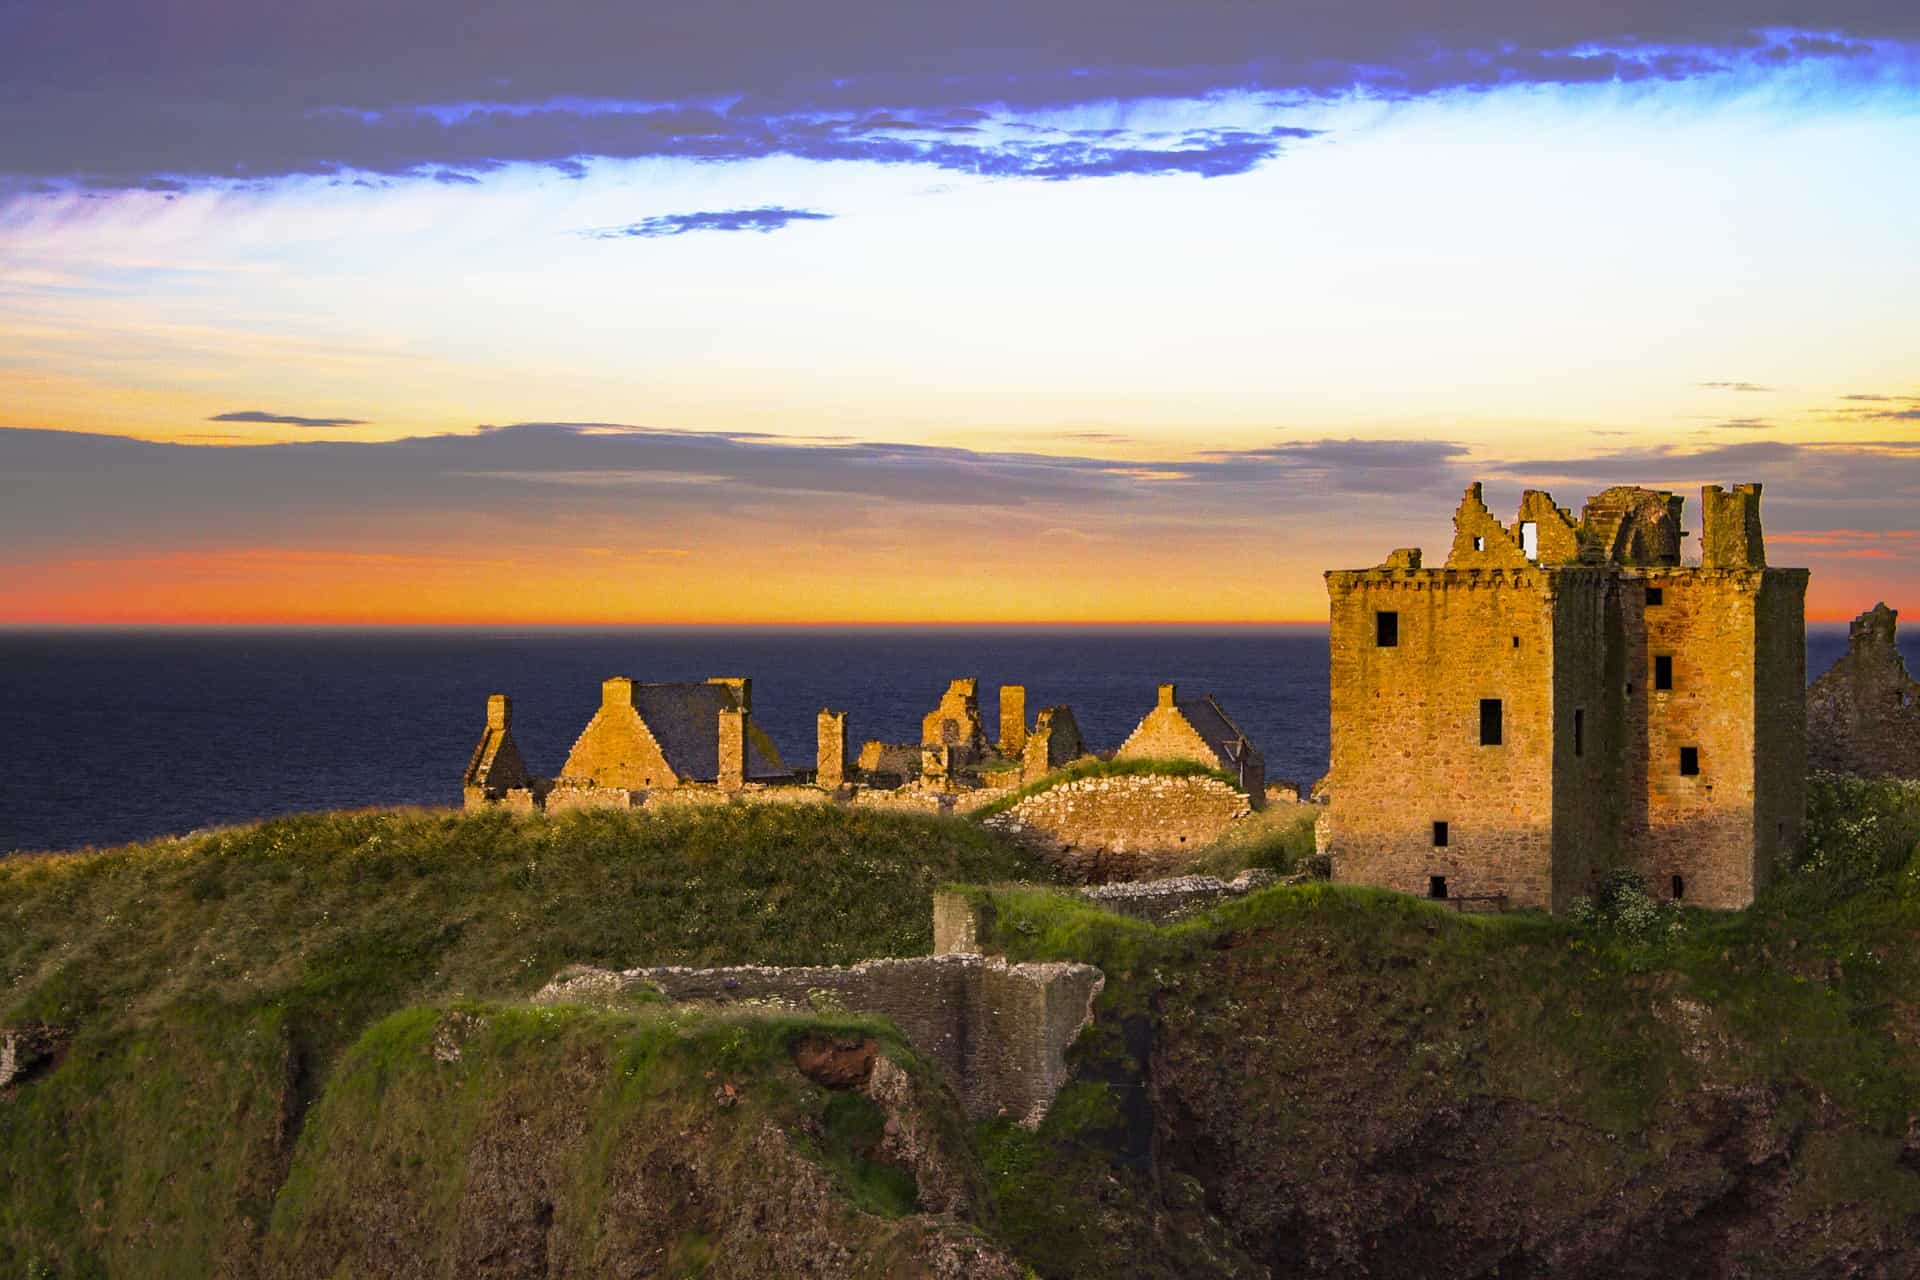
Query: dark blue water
(117, 736)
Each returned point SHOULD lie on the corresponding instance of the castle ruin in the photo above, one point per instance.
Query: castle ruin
(1565, 697)
(1863, 715)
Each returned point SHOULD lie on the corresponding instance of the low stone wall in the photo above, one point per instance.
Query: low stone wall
(959, 924)
(1124, 827)
(999, 1031)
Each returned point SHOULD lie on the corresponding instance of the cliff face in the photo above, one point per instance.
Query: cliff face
(1332, 1082)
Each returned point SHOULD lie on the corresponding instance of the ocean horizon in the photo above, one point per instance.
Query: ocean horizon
(119, 734)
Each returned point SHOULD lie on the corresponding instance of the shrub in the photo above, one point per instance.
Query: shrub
(1621, 906)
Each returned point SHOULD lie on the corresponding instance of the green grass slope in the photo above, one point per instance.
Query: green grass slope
(211, 984)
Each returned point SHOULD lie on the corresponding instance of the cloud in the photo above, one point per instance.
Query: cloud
(121, 94)
(1733, 386)
(1872, 407)
(284, 419)
(764, 219)
(542, 477)
(1742, 424)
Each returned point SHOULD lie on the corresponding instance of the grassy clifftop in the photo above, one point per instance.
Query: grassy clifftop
(209, 986)
(303, 1049)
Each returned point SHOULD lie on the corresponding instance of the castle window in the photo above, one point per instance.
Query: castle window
(1489, 722)
(1663, 671)
(1679, 888)
(1479, 543)
(1689, 762)
(1439, 835)
(1579, 731)
(1386, 629)
(1530, 539)
(1436, 886)
(1655, 596)
(1516, 642)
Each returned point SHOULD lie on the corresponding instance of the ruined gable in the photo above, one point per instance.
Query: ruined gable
(495, 767)
(1479, 540)
(1201, 731)
(617, 749)
(1863, 715)
(1544, 532)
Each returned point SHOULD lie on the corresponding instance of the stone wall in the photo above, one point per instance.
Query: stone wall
(1406, 744)
(1124, 827)
(998, 1031)
(1863, 715)
(959, 924)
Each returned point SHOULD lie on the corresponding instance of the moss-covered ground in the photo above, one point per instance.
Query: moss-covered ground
(211, 984)
(303, 1048)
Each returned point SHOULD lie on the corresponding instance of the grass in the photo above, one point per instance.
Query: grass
(213, 983)
(1092, 768)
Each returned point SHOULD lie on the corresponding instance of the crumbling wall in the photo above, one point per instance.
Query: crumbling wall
(956, 722)
(1054, 743)
(999, 1031)
(1479, 540)
(1123, 827)
(1863, 715)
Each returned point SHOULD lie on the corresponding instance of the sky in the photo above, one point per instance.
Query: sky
(751, 312)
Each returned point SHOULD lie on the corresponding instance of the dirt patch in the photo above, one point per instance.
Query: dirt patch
(838, 1062)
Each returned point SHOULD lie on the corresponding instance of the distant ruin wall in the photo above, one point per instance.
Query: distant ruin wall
(999, 1031)
(1127, 826)
(1863, 714)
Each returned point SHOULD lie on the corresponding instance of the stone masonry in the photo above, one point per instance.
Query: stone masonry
(1863, 715)
(998, 1031)
(1198, 729)
(1565, 697)
(1125, 826)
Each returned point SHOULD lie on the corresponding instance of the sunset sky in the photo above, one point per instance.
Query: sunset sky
(847, 311)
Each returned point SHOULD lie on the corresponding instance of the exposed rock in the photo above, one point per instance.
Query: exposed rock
(838, 1062)
(25, 1050)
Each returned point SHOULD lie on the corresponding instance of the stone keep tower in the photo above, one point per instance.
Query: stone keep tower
(1562, 698)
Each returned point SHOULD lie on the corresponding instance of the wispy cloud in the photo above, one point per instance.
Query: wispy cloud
(1733, 386)
(764, 219)
(1875, 407)
(1742, 424)
(284, 419)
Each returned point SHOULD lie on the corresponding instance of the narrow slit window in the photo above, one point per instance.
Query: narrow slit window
(1479, 543)
(1490, 722)
(1516, 642)
(1436, 886)
(1663, 671)
(1656, 596)
(1386, 629)
(1679, 888)
(1689, 762)
(1579, 731)
(1530, 539)
(1439, 835)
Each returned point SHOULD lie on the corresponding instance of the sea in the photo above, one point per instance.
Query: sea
(111, 736)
